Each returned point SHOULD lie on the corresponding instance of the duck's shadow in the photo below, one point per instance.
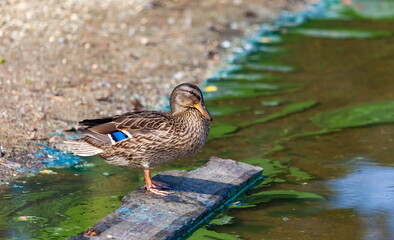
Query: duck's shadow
(184, 189)
(194, 185)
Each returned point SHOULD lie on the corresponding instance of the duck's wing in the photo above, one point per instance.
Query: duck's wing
(102, 132)
(119, 127)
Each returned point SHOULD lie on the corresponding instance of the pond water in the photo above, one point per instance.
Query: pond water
(312, 104)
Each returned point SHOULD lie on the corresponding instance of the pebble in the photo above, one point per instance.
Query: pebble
(226, 44)
(2, 152)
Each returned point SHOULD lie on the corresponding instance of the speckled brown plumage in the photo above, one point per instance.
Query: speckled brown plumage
(143, 139)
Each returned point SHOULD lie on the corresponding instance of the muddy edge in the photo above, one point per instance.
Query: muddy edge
(63, 61)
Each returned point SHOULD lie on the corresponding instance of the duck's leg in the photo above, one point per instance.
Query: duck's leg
(157, 184)
(154, 186)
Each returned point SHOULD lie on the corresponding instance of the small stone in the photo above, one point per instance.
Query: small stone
(74, 17)
(2, 152)
(178, 75)
(211, 54)
(144, 40)
(250, 14)
(225, 44)
(171, 20)
(62, 40)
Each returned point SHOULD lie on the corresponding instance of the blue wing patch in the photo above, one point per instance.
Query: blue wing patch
(118, 136)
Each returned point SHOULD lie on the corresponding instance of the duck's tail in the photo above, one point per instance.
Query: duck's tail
(85, 147)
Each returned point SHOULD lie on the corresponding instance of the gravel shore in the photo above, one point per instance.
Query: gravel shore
(63, 61)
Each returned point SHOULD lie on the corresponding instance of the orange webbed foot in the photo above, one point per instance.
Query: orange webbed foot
(155, 187)
(157, 191)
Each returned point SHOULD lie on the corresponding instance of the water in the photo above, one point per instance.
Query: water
(313, 107)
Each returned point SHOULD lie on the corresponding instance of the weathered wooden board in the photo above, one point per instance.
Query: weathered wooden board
(196, 196)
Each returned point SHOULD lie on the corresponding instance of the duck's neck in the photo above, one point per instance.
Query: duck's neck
(193, 128)
(190, 117)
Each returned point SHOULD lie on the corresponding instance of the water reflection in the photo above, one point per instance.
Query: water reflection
(370, 191)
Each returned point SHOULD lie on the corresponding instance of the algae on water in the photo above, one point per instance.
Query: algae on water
(260, 67)
(204, 233)
(356, 115)
(340, 33)
(275, 171)
(226, 110)
(266, 196)
(287, 110)
(221, 130)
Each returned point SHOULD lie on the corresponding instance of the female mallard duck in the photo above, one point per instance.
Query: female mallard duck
(143, 139)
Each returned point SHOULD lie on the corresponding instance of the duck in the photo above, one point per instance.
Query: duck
(144, 139)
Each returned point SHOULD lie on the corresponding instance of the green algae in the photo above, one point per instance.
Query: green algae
(262, 54)
(340, 33)
(272, 169)
(15, 207)
(272, 103)
(276, 171)
(251, 77)
(221, 130)
(267, 196)
(226, 110)
(358, 115)
(221, 219)
(298, 174)
(2, 60)
(269, 67)
(80, 217)
(232, 93)
(204, 233)
(233, 85)
(271, 49)
(286, 111)
(277, 146)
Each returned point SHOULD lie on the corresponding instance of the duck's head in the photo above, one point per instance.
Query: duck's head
(186, 96)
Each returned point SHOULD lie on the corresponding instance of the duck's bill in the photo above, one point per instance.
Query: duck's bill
(204, 111)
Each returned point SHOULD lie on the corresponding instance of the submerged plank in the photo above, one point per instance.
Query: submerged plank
(196, 196)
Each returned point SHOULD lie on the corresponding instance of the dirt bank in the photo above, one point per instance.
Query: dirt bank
(63, 61)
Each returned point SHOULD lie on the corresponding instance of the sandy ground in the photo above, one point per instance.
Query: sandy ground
(63, 61)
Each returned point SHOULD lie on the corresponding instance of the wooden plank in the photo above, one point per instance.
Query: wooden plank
(196, 196)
